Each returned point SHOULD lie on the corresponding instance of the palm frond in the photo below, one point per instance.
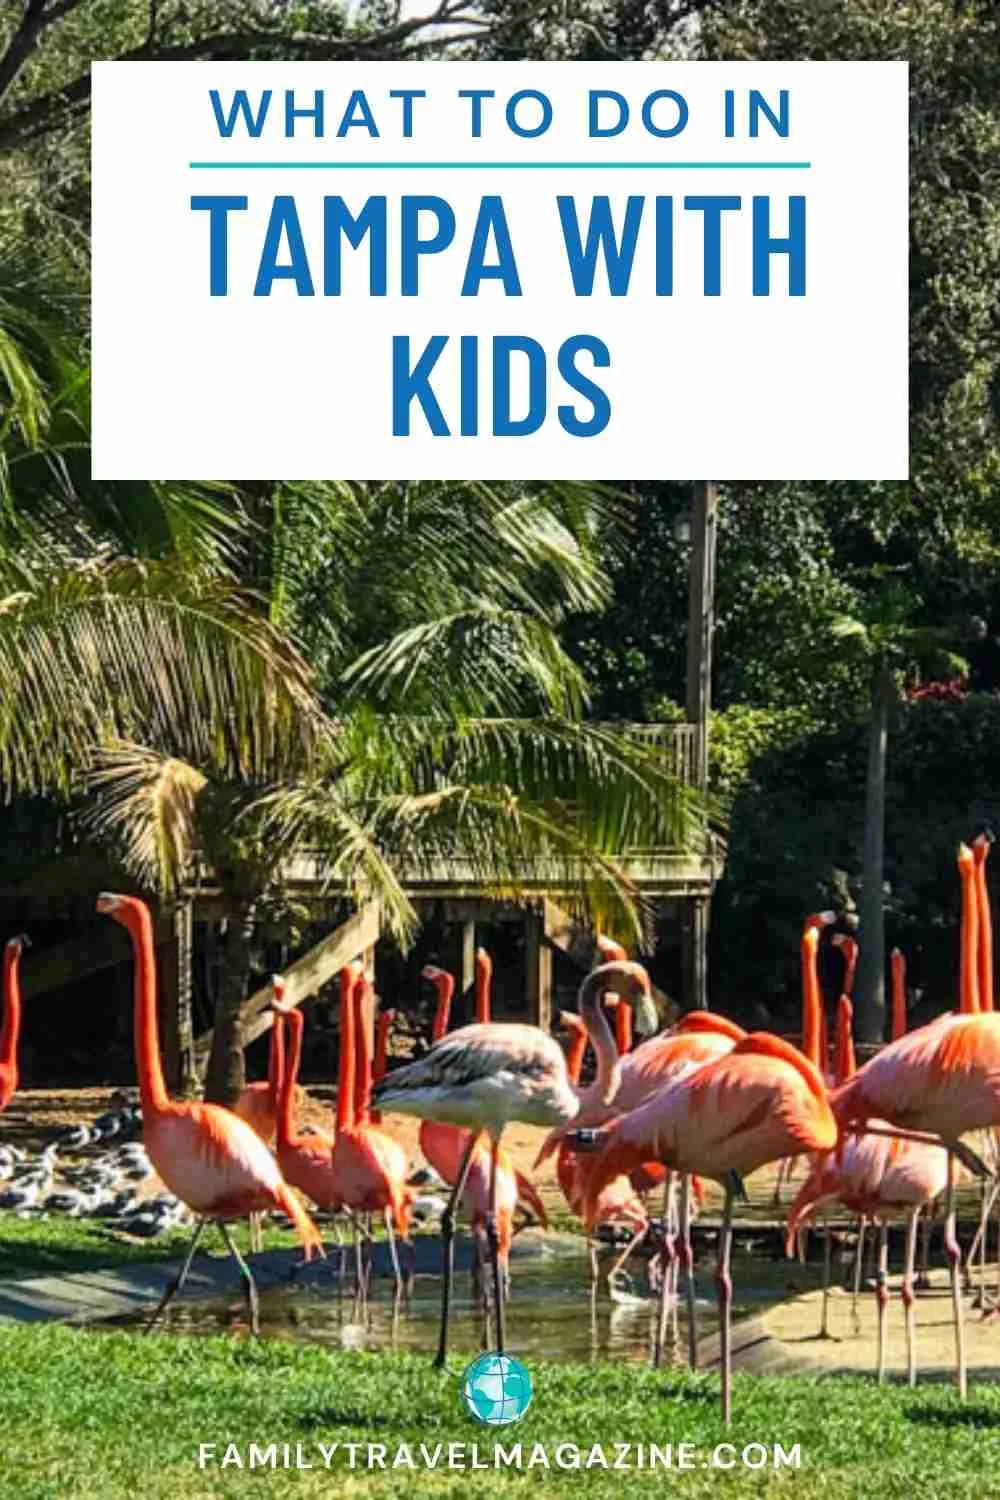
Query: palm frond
(513, 807)
(115, 649)
(477, 661)
(145, 804)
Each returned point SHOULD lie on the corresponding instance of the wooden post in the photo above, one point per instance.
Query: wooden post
(701, 621)
(538, 970)
(467, 960)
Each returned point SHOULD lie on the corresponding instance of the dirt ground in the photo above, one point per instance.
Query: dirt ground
(34, 1115)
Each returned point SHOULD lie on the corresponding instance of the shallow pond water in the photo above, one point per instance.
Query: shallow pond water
(550, 1312)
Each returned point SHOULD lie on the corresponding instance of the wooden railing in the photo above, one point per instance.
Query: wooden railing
(678, 742)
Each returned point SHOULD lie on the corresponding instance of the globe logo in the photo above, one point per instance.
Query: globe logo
(496, 1390)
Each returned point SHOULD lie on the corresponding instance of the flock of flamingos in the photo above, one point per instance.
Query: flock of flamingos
(702, 1100)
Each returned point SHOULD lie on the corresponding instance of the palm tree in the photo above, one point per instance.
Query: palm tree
(121, 612)
(146, 649)
(891, 646)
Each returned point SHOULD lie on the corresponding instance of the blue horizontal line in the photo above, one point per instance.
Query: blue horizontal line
(499, 166)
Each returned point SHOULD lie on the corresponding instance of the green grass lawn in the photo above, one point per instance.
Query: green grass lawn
(114, 1415)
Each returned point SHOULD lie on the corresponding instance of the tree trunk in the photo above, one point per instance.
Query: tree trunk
(176, 1022)
(226, 1074)
(870, 1011)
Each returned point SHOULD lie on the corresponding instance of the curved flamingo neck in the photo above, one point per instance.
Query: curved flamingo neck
(898, 964)
(594, 1019)
(134, 917)
(363, 1051)
(849, 948)
(445, 986)
(980, 850)
(292, 1026)
(623, 1029)
(345, 1072)
(385, 1020)
(969, 970)
(484, 979)
(577, 1047)
(844, 1062)
(10, 1033)
(812, 1035)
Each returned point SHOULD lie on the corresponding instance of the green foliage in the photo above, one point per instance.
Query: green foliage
(741, 737)
(796, 842)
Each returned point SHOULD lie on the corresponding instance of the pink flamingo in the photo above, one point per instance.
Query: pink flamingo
(369, 1167)
(486, 1075)
(698, 1038)
(257, 1104)
(897, 964)
(10, 1034)
(306, 1160)
(849, 948)
(876, 1177)
(444, 1146)
(760, 1102)
(942, 1079)
(984, 964)
(619, 1201)
(208, 1157)
(814, 1033)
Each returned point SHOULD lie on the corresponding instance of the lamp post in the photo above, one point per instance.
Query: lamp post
(700, 526)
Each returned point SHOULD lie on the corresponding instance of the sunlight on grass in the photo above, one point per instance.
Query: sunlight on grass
(113, 1415)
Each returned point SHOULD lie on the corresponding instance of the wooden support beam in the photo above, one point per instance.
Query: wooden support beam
(538, 970)
(467, 959)
(568, 934)
(307, 974)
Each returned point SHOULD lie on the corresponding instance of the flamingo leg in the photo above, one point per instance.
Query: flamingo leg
(954, 1259)
(687, 1262)
(909, 1296)
(618, 1269)
(882, 1296)
(724, 1283)
(494, 1244)
(859, 1261)
(824, 1322)
(249, 1285)
(393, 1256)
(182, 1275)
(359, 1267)
(666, 1263)
(675, 1299)
(594, 1270)
(447, 1247)
(982, 1242)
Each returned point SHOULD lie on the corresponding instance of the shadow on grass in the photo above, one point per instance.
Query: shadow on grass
(360, 1418)
(953, 1416)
